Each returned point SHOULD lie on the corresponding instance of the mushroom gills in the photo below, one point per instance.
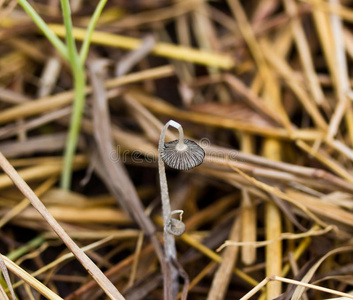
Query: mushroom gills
(182, 159)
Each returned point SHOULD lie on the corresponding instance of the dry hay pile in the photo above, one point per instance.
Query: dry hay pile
(264, 87)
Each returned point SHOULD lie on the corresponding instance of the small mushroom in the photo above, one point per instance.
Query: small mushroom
(175, 226)
(182, 155)
(185, 158)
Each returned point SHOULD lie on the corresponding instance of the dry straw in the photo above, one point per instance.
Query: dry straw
(267, 83)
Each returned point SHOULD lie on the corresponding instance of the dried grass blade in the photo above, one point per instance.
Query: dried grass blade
(127, 62)
(188, 239)
(286, 71)
(158, 106)
(3, 294)
(286, 209)
(304, 52)
(49, 103)
(343, 107)
(136, 259)
(37, 285)
(306, 172)
(248, 210)
(324, 32)
(254, 100)
(42, 143)
(49, 76)
(255, 46)
(96, 273)
(200, 276)
(256, 289)
(286, 235)
(161, 49)
(319, 207)
(249, 228)
(116, 171)
(150, 124)
(116, 175)
(249, 36)
(327, 160)
(223, 274)
(64, 258)
(38, 172)
(11, 130)
(30, 108)
(278, 193)
(273, 229)
(300, 289)
(312, 286)
(111, 272)
(5, 273)
(9, 96)
(333, 8)
(25, 202)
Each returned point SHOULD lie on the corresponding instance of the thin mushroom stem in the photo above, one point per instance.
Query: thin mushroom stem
(163, 176)
(181, 145)
(181, 155)
(177, 211)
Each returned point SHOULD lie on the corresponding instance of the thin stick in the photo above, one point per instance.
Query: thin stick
(291, 281)
(255, 289)
(286, 235)
(312, 286)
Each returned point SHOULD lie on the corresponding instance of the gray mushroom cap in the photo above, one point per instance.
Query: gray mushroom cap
(175, 227)
(189, 157)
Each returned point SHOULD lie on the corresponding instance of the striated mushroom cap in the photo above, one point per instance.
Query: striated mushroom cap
(182, 159)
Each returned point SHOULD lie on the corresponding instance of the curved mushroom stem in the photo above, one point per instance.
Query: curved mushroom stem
(181, 145)
(169, 241)
(162, 174)
(177, 211)
(175, 227)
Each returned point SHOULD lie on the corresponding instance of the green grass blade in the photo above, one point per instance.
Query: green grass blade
(70, 41)
(75, 124)
(79, 99)
(92, 24)
(50, 35)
